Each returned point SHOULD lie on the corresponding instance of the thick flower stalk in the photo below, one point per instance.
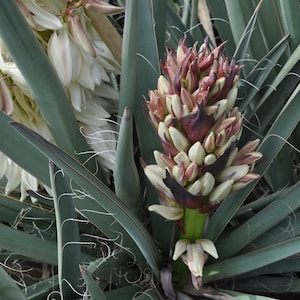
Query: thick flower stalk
(193, 111)
(84, 65)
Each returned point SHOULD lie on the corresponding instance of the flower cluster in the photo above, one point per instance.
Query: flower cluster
(83, 63)
(193, 113)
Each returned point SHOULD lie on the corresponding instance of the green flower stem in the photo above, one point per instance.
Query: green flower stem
(194, 225)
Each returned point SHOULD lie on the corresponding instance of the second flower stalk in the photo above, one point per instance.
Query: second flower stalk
(193, 112)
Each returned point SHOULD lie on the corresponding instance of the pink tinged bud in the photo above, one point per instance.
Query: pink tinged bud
(103, 7)
(207, 183)
(249, 177)
(208, 82)
(221, 138)
(180, 248)
(244, 181)
(206, 62)
(233, 172)
(153, 118)
(163, 85)
(224, 124)
(218, 86)
(178, 174)
(168, 212)
(163, 160)
(248, 158)
(220, 108)
(186, 99)
(174, 106)
(191, 172)
(80, 35)
(190, 81)
(181, 195)
(209, 142)
(163, 132)
(249, 147)
(179, 78)
(237, 127)
(197, 153)
(179, 140)
(220, 192)
(196, 125)
(6, 101)
(157, 104)
(229, 82)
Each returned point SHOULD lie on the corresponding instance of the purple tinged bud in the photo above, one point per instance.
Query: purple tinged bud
(182, 158)
(209, 142)
(233, 172)
(196, 125)
(248, 158)
(181, 195)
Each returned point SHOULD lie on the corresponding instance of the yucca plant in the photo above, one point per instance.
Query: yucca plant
(88, 234)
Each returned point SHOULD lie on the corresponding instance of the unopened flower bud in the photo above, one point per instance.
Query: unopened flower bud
(248, 158)
(197, 153)
(174, 105)
(163, 132)
(177, 173)
(207, 183)
(163, 160)
(249, 147)
(162, 85)
(221, 191)
(182, 158)
(195, 188)
(209, 143)
(233, 172)
(168, 212)
(191, 172)
(209, 159)
(179, 140)
(218, 86)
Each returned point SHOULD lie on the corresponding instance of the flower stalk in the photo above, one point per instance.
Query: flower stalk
(193, 113)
